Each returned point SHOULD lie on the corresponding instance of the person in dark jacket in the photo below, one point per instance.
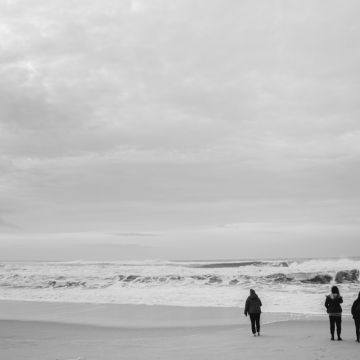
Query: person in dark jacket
(332, 304)
(253, 308)
(355, 312)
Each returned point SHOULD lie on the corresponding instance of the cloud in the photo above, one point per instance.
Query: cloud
(134, 116)
(7, 225)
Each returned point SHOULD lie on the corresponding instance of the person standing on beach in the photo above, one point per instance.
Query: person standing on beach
(253, 308)
(332, 304)
(355, 312)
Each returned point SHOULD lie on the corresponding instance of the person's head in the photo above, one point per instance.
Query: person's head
(252, 292)
(335, 290)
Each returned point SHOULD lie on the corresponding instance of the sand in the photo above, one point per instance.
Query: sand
(84, 331)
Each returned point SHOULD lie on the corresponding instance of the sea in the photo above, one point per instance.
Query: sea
(296, 286)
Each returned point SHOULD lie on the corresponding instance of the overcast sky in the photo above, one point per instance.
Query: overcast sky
(179, 129)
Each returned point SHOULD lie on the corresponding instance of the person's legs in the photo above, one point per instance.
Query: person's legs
(338, 326)
(257, 319)
(252, 318)
(357, 328)
(332, 326)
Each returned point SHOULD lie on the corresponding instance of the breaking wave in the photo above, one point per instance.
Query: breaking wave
(210, 279)
(220, 265)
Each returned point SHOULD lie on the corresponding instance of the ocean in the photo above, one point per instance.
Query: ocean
(296, 286)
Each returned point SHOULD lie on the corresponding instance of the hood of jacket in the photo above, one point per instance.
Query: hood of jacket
(334, 296)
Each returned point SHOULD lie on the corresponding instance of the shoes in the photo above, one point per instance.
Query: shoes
(339, 339)
(332, 338)
(254, 334)
(258, 333)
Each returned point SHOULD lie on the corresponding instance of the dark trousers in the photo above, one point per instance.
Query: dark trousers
(335, 320)
(357, 328)
(255, 322)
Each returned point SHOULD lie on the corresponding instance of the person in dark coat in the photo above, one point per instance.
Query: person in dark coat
(333, 308)
(253, 308)
(355, 312)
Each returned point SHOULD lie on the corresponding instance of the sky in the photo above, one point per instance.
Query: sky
(180, 129)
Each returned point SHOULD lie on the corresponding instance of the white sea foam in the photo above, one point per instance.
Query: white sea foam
(296, 286)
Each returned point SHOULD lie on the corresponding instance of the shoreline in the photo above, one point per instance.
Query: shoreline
(136, 315)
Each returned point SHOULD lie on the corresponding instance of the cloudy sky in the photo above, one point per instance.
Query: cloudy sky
(179, 129)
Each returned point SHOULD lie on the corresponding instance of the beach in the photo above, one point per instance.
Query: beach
(168, 166)
(36, 330)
